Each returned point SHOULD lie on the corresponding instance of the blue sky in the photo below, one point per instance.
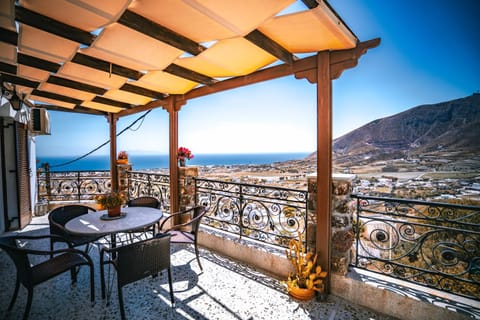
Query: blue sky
(429, 53)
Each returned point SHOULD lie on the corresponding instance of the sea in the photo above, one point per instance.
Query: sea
(149, 162)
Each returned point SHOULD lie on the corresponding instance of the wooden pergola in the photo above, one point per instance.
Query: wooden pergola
(120, 57)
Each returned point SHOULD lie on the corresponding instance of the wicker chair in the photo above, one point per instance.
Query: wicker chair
(185, 232)
(57, 219)
(137, 261)
(31, 275)
(144, 202)
(150, 202)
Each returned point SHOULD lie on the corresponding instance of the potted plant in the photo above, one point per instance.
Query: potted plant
(122, 157)
(183, 154)
(307, 278)
(112, 202)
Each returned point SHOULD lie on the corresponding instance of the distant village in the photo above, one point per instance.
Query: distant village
(420, 185)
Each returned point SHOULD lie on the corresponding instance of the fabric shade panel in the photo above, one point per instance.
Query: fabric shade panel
(114, 55)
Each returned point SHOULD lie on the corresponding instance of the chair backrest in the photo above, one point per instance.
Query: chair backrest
(144, 202)
(198, 213)
(58, 217)
(142, 259)
(19, 257)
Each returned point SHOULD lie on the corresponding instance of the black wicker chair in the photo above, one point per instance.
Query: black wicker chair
(31, 275)
(185, 232)
(57, 219)
(144, 202)
(137, 261)
(150, 202)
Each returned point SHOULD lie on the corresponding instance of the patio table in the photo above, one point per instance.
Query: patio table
(133, 218)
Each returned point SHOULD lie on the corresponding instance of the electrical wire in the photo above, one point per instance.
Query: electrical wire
(142, 117)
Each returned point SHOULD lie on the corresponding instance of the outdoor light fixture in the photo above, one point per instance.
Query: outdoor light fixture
(8, 91)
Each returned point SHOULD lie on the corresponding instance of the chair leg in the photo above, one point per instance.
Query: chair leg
(29, 303)
(198, 257)
(15, 294)
(172, 299)
(92, 284)
(120, 301)
(102, 277)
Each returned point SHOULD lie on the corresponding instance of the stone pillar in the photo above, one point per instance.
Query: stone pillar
(342, 215)
(186, 185)
(123, 179)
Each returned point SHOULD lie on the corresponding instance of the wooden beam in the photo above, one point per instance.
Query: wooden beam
(38, 63)
(19, 80)
(111, 102)
(324, 162)
(77, 109)
(50, 25)
(345, 59)
(159, 32)
(182, 72)
(106, 66)
(8, 68)
(8, 36)
(55, 96)
(143, 91)
(262, 41)
(75, 85)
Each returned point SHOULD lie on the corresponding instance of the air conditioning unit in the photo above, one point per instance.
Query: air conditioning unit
(39, 121)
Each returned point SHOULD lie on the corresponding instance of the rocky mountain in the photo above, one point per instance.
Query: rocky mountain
(448, 130)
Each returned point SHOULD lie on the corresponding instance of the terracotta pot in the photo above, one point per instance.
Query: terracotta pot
(100, 207)
(122, 161)
(114, 212)
(301, 293)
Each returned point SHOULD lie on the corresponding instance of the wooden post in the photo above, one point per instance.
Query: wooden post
(112, 120)
(173, 147)
(324, 161)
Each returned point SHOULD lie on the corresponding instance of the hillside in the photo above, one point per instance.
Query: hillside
(442, 136)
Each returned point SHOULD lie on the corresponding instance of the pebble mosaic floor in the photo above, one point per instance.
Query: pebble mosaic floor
(224, 290)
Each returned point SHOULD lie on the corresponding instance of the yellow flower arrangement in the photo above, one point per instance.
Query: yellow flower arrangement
(110, 200)
(306, 275)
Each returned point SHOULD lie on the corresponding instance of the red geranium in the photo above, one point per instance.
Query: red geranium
(184, 154)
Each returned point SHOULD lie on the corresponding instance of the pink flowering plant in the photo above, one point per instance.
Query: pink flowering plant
(184, 154)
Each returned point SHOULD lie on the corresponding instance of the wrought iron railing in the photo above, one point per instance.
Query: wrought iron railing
(270, 214)
(72, 185)
(150, 184)
(428, 243)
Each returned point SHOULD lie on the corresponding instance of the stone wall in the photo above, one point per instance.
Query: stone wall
(342, 234)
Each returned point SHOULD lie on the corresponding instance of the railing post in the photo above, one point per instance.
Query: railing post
(47, 181)
(240, 212)
(78, 186)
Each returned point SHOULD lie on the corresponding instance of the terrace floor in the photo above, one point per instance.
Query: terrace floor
(224, 290)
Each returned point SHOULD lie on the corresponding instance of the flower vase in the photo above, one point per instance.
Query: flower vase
(301, 293)
(181, 162)
(114, 212)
